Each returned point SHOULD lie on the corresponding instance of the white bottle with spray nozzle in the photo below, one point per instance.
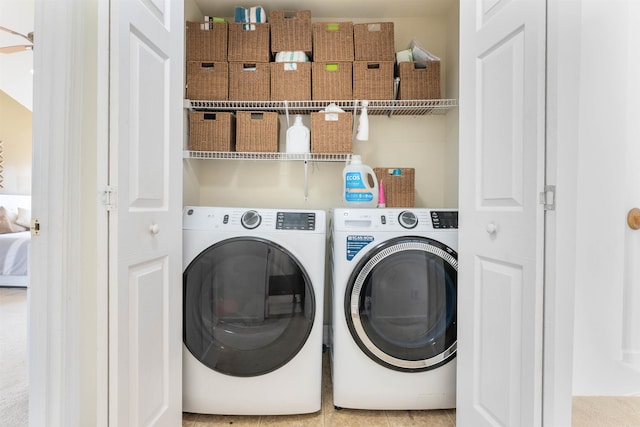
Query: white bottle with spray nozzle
(363, 123)
(360, 185)
(298, 137)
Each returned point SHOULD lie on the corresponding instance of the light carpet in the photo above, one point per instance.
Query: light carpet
(14, 395)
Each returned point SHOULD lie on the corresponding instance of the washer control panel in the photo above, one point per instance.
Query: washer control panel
(444, 219)
(408, 219)
(250, 219)
(296, 221)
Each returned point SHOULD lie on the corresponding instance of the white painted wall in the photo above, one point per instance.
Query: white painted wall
(604, 136)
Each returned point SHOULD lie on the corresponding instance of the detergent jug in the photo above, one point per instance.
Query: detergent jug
(360, 185)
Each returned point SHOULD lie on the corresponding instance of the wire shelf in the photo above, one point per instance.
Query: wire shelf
(236, 155)
(415, 107)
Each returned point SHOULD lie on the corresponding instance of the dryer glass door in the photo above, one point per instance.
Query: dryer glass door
(248, 307)
(400, 304)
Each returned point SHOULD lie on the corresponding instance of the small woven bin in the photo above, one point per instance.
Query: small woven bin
(331, 132)
(373, 79)
(333, 41)
(206, 41)
(374, 42)
(249, 81)
(290, 81)
(257, 131)
(332, 80)
(419, 80)
(399, 186)
(248, 42)
(207, 80)
(290, 31)
(209, 131)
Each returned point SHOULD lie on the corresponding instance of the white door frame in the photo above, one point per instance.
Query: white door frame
(67, 299)
(563, 84)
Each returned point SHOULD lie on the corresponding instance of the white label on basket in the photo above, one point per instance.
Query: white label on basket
(331, 117)
(290, 66)
(373, 27)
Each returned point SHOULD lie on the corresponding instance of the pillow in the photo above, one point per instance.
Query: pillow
(11, 213)
(5, 224)
(24, 218)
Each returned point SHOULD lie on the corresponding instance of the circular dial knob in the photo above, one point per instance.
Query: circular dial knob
(250, 219)
(408, 219)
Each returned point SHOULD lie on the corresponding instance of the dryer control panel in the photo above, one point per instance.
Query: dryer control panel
(296, 221)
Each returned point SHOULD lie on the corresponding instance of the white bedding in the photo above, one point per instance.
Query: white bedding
(14, 251)
(15, 247)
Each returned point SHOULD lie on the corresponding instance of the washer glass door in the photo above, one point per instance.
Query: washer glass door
(400, 304)
(248, 307)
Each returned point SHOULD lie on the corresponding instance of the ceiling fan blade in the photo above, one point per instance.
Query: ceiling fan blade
(18, 34)
(14, 49)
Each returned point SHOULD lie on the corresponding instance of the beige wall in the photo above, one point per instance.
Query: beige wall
(421, 142)
(15, 134)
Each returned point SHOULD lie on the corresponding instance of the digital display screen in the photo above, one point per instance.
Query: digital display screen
(444, 219)
(296, 220)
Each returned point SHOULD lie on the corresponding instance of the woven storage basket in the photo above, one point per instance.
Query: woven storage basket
(374, 42)
(419, 83)
(207, 80)
(248, 42)
(332, 80)
(373, 80)
(209, 131)
(331, 132)
(207, 45)
(249, 81)
(257, 131)
(333, 41)
(290, 81)
(290, 31)
(399, 186)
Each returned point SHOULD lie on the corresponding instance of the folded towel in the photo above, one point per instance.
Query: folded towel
(211, 20)
(254, 14)
(292, 56)
(404, 56)
(240, 14)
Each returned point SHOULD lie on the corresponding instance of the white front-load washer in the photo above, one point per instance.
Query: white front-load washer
(252, 311)
(394, 292)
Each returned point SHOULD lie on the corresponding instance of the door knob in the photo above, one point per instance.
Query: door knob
(633, 219)
(154, 228)
(492, 228)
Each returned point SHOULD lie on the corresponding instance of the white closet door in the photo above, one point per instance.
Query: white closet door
(502, 142)
(145, 365)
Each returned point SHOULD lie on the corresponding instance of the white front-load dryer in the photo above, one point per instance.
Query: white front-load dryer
(253, 305)
(394, 292)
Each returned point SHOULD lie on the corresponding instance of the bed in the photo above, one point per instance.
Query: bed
(15, 238)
